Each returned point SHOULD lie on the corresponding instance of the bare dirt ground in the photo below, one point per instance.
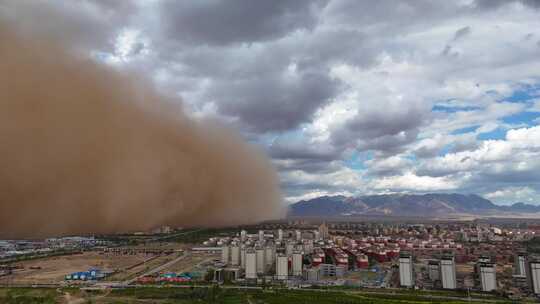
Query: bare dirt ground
(149, 264)
(54, 269)
(188, 263)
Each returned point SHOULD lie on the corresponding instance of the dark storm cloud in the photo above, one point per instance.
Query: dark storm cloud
(307, 165)
(275, 86)
(493, 4)
(288, 149)
(392, 16)
(383, 131)
(426, 152)
(83, 25)
(274, 103)
(290, 155)
(215, 22)
(462, 32)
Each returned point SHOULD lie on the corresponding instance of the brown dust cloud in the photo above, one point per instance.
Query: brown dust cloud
(85, 149)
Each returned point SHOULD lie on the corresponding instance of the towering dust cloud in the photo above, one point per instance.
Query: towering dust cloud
(86, 150)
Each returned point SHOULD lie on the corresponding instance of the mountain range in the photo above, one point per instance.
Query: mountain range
(432, 204)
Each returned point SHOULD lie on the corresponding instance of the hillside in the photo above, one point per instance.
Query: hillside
(432, 204)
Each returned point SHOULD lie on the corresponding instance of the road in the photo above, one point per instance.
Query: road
(158, 268)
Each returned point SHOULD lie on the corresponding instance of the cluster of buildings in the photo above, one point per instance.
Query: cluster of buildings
(92, 274)
(283, 255)
(442, 272)
(13, 248)
(169, 277)
(451, 256)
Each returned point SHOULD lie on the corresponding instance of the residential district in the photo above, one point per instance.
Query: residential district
(466, 257)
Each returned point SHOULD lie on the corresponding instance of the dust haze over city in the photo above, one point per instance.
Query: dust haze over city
(89, 150)
(236, 145)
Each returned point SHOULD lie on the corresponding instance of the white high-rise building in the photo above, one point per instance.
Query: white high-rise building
(297, 263)
(307, 246)
(316, 235)
(243, 236)
(484, 259)
(323, 231)
(520, 265)
(235, 255)
(280, 235)
(289, 249)
(298, 235)
(282, 267)
(270, 255)
(406, 270)
(434, 270)
(243, 257)
(225, 254)
(488, 276)
(535, 276)
(261, 236)
(251, 264)
(260, 260)
(448, 273)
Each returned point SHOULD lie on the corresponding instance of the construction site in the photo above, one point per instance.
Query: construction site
(112, 264)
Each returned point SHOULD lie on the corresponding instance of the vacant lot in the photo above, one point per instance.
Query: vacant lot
(53, 270)
(190, 262)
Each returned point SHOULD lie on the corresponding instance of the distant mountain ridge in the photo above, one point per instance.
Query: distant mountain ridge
(431, 204)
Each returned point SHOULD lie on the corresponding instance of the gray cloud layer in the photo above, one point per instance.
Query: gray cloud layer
(340, 92)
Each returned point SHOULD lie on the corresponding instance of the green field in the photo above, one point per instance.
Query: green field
(216, 294)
